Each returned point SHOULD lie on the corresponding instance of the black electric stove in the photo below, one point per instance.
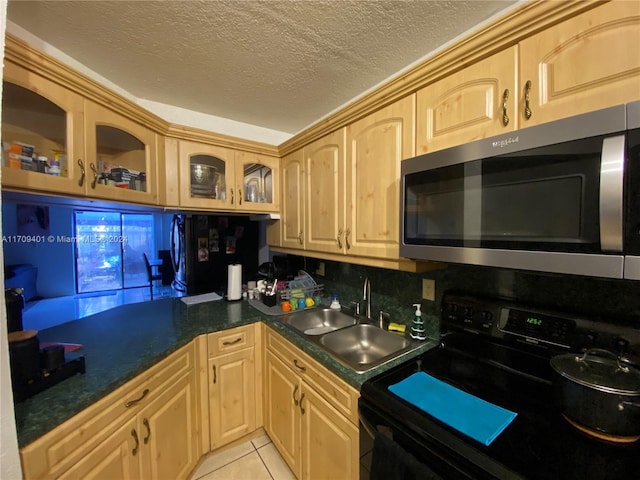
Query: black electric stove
(499, 351)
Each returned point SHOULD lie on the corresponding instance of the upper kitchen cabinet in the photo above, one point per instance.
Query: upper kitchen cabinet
(324, 188)
(41, 118)
(121, 157)
(292, 212)
(56, 141)
(219, 178)
(376, 145)
(588, 62)
(476, 102)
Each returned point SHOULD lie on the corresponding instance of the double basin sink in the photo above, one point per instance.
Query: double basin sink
(360, 346)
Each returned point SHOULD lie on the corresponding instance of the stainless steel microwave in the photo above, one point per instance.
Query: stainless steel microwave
(559, 197)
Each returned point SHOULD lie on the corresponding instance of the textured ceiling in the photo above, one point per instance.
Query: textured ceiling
(278, 64)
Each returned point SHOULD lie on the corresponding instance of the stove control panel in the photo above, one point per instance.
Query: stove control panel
(510, 322)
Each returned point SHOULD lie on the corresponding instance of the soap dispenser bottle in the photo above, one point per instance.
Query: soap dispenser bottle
(418, 331)
(335, 303)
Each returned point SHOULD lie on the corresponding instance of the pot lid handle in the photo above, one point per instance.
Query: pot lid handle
(601, 352)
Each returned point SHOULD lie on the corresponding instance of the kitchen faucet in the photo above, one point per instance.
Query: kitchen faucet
(366, 297)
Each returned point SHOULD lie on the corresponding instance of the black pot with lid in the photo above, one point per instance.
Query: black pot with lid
(599, 391)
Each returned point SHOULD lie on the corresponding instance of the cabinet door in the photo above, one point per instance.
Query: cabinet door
(375, 147)
(168, 430)
(293, 234)
(330, 443)
(281, 415)
(469, 105)
(588, 62)
(257, 183)
(116, 457)
(121, 157)
(232, 402)
(324, 173)
(207, 176)
(42, 114)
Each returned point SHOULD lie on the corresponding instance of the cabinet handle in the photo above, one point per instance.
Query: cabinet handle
(505, 117)
(527, 106)
(95, 175)
(134, 434)
(340, 238)
(239, 196)
(233, 342)
(81, 164)
(346, 238)
(231, 195)
(145, 422)
(302, 368)
(295, 400)
(215, 376)
(301, 407)
(131, 403)
(300, 237)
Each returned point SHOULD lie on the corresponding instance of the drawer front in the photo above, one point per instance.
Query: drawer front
(231, 340)
(338, 393)
(59, 449)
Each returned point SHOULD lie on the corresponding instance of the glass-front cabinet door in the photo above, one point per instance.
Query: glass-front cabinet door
(42, 134)
(206, 176)
(257, 182)
(121, 157)
(219, 178)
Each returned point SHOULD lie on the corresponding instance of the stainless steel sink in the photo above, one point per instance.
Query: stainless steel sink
(364, 346)
(319, 321)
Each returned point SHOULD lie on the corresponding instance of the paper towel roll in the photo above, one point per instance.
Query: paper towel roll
(234, 282)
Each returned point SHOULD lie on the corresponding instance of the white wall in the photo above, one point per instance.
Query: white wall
(9, 458)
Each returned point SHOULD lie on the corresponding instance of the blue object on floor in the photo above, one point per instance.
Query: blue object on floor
(476, 418)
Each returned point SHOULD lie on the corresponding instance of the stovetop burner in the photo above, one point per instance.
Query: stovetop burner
(491, 357)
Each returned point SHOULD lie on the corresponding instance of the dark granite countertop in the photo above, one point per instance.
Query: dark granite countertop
(121, 343)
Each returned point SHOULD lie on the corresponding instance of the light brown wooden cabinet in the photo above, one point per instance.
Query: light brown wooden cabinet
(293, 206)
(476, 102)
(341, 192)
(376, 145)
(148, 429)
(584, 63)
(310, 414)
(232, 384)
(87, 139)
(219, 178)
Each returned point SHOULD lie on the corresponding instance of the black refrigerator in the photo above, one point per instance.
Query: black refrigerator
(203, 246)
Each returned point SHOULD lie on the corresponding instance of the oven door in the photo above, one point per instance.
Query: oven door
(419, 454)
(545, 198)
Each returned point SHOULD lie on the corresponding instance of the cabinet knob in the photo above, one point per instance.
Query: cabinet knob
(300, 237)
(95, 175)
(527, 106)
(340, 239)
(81, 165)
(145, 422)
(505, 116)
(134, 434)
(346, 238)
(131, 403)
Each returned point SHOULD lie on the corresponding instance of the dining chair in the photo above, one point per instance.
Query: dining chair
(151, 275)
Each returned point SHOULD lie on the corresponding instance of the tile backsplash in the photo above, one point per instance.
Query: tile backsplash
(616, 301)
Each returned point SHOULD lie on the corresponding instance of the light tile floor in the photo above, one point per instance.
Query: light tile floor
(256, 459)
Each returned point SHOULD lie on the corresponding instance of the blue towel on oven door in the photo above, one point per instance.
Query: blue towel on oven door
(476, 418)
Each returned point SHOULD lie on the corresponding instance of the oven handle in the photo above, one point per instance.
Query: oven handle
(611, 193)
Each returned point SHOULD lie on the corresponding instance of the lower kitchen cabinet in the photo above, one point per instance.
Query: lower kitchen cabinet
(148, 429)
(232, 385)
(310, 415)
